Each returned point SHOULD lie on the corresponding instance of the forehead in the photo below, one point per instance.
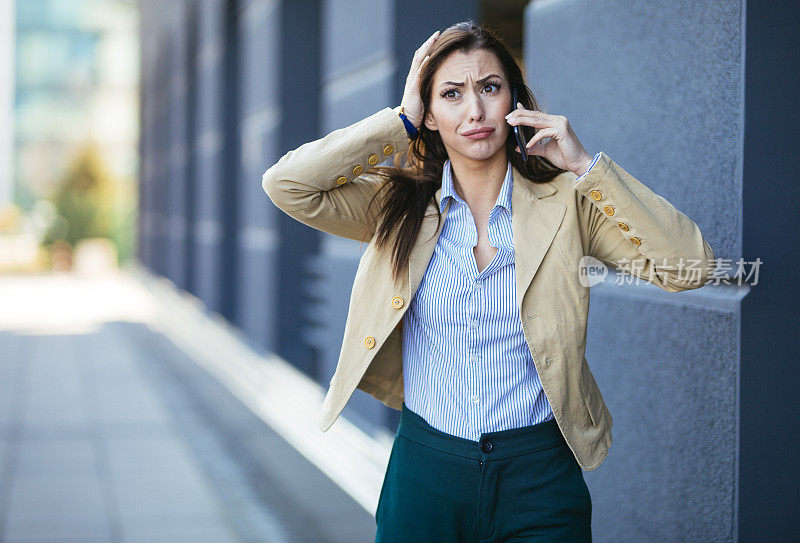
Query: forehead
(473, 65)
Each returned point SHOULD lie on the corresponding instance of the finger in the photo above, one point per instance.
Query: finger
(425, 46)
(537, 112)
(540, 135)
(515, 118)
(532, 118)
(413, 74)
(424, 60)
(532, 113)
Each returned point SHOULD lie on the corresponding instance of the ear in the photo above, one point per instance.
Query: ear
(430, 122)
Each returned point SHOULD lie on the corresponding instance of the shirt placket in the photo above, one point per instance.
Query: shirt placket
(473, 316)
(475, 313)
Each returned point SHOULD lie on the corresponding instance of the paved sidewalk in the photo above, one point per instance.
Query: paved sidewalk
(109, 432)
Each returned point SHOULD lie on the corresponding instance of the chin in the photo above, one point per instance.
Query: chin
(481, 152)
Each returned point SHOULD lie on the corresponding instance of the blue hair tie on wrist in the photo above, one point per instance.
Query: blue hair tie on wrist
(410, 128)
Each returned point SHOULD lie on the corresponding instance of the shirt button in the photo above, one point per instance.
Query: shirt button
(475, 399)
(474, 324)
(478, 284)
(473, 358)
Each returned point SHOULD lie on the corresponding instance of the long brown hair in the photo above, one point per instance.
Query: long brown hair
(417, 173)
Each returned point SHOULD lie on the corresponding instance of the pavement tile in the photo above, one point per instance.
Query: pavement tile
(55, 456)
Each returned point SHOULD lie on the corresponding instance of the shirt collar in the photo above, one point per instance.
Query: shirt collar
(503, 199)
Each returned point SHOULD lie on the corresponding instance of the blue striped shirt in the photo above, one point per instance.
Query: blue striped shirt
(466, 366)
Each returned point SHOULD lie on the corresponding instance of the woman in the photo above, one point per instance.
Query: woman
(469, 322)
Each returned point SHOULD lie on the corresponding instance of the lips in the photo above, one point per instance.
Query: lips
(477, 131)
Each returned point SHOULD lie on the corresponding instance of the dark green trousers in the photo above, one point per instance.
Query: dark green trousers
(515, 485)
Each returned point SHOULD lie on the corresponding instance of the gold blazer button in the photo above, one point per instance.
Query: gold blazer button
(397, 302)
(388, 150)
(369, 342)
(623, 227)
(636, 241)
(358, 169)
(596, 194)
(609, 210)
(341, 181)
(373, 159)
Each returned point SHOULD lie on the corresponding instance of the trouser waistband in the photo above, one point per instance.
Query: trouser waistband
(491, 446)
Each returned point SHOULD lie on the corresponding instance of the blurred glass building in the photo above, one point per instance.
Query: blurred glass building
(76, 75)
(69, 128)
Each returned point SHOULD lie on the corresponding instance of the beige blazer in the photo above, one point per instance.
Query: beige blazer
(609, 215)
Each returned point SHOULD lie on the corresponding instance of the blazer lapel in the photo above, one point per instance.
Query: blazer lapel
(534, 224)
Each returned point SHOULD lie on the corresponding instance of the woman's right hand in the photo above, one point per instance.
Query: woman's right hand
(412, 101)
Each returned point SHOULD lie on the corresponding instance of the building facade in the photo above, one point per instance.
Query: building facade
(229, 86)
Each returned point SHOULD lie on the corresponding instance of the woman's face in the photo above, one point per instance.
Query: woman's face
(470, 92)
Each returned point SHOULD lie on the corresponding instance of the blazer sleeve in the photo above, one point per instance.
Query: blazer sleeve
(327, 184)
(630, 228)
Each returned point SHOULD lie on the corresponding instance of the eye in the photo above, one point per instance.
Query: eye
(447, 96)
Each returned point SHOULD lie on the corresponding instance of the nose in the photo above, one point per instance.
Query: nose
(475, 108)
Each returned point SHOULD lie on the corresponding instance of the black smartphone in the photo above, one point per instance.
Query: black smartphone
(518, 129)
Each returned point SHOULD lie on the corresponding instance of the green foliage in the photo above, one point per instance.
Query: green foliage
(123, 229)
(89, 199)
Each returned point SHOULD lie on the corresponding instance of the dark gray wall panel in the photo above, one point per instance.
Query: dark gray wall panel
(257, 119)
(209, 145)
(770, 410)
(668, 372)
(356, 34)
(658, 88)
(175, 217)
(260, 53)
(298, 88)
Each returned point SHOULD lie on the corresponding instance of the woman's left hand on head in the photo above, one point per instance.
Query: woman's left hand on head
(564, 149)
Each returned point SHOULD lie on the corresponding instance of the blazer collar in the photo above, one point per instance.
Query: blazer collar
(535, 221)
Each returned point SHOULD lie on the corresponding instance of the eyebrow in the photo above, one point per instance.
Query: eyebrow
(460, 84)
